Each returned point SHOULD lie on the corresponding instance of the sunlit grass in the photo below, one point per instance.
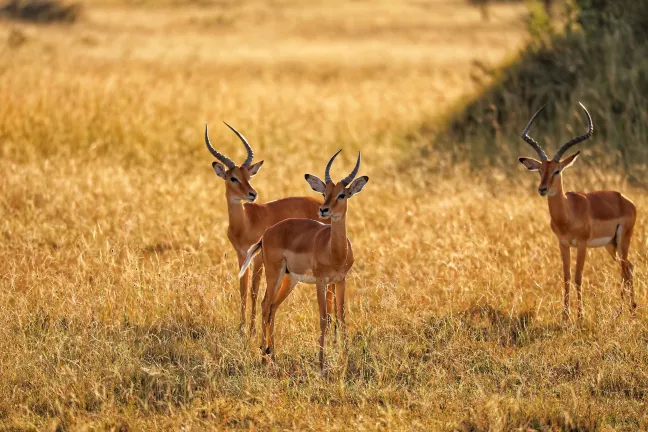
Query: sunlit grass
(119, 298)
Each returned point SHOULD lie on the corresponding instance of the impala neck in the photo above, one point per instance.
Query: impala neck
(558, 209)
(338, 241)
(236, 213)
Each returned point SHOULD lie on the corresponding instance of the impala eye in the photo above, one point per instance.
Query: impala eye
(556, 172)
(341, 196)
(233, 179)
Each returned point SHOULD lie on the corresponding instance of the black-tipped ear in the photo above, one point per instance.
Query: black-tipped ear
(255, 168)
(530, 164)
(315, 183)
(219, 169)
(569, 160)
(357, 185)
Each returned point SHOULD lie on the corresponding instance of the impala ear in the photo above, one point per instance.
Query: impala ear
(530, 164)
(569, 160)
(219, 169)
(255, 168)
(315, 183)
(357, 185)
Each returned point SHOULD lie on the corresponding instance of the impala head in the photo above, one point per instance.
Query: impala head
(336, 194)
(237, 178)
(550, 170)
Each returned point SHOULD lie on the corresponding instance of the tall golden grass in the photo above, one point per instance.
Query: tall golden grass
(119, 299)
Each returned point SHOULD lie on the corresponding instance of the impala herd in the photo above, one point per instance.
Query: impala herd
(301, 239)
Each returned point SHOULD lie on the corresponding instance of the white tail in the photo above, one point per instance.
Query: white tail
(255, 249)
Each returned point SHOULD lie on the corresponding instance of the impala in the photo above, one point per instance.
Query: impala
(582, 220)
(247, 220)
(304, 250)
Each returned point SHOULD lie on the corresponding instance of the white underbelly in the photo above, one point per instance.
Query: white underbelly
(309, 279)
(598, 242)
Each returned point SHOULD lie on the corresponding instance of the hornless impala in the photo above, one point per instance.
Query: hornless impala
(582, 220)
(303, 250)
(248, 221)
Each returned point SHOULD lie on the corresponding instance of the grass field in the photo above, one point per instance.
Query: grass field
(119, 298)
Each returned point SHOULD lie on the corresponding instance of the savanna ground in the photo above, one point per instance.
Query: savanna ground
(119, 299)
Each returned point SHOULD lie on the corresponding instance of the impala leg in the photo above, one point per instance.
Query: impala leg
(321, 302)
(256, 281)
(565, 255)
(340, 312)
(627, 282)
(286, 288)
(331, 308)
(612, 250)
(243, 287)
(273, 279)
(580, 263)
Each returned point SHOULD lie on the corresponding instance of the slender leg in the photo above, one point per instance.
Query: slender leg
(330, 308)
(321, 301)
(273, 275)
(580, 263)
(612, 250)
(627, 268)
(286, 288)
(256, 281)
(243, 287)
(340, 312)
(565, 254)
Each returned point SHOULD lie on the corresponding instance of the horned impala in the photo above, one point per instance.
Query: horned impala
(247, 220)
(304, 250)
(582, 220)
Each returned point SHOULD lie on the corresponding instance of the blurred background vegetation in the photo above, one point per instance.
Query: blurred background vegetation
(597, 55)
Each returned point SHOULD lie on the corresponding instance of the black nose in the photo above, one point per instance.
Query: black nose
(542, 191)
(324, 210)
(252, 194)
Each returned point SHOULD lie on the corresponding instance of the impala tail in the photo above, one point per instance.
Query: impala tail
(255, 249)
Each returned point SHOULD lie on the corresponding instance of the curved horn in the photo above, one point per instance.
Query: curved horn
(525, 136)
(327, 175)
(250, 153)
(227, 161)
(348, 179)
(590, 131)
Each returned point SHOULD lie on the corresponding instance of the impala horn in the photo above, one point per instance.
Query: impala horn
(525, 136)
(574, 141)
(221, 157)
(327, 171)
(348, 179)
(250, 153)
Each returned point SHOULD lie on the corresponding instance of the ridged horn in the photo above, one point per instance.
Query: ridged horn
(348, 179)
(525, 136)
(327, 171)
(574, 141)
(250, 152)
(221, 157)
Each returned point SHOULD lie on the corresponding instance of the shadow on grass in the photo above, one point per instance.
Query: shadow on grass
(40, 11)
(485, 323)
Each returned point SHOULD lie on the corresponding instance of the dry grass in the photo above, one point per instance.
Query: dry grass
(119, 300)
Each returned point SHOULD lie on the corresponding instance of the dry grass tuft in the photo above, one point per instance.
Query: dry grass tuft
(118, 295)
